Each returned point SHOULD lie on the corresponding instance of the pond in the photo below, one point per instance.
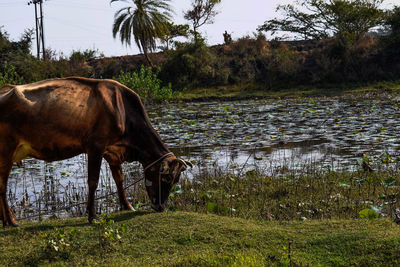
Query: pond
(270, 135)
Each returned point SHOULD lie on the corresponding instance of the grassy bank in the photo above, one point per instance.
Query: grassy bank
(192, 239)
(319, 218)
(257, 91)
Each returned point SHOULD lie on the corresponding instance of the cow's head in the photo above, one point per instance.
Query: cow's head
(160, 177)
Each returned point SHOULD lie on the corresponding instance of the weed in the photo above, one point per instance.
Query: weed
(59, 244)
(107, 233)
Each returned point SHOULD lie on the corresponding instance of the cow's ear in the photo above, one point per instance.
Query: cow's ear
(120, 114)
(114, 103)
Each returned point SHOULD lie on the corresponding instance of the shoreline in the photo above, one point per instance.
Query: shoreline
(386, 89)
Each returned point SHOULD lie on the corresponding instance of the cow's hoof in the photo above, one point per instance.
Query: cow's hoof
(10, 224)
(94, 218)
(127, 207)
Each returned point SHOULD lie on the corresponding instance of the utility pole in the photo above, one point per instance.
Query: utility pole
(39, 28)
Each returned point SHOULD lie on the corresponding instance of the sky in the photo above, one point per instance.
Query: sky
(87, 24)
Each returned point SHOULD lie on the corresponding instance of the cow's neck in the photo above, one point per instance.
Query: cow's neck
(149, 147)
(147, 144)
(148, 155)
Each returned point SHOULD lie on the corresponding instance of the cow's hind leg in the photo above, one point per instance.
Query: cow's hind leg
(5, 212)
(94, 165)
(118, 176)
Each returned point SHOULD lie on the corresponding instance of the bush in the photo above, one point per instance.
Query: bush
(392, 40)
(146, 83)
(87, 55)
(190, 65)
(10, 76)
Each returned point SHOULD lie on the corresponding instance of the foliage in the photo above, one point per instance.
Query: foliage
(107, 233)
(189, 63)
(15, 55)
(9, 49)
(86, 55)
(319, 19)
(17, 63)
(146, 21)
(146, 83)
(392, 40)
(59, 244)
(201, 12)
(10, 76)
(282, 65)
(393, 21)
(369, 214)
(174, 31)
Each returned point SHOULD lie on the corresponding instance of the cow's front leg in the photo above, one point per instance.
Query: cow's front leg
(5, 213)
(118, 176)
(94, 165)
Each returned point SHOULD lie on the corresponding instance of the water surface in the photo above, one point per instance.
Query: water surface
(271, 135)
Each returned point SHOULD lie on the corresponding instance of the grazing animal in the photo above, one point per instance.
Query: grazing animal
(60, 118)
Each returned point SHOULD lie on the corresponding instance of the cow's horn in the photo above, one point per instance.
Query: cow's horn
(186, 163)
(189, 164)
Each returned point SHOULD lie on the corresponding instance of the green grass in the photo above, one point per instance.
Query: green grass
(192, 239)
(318, 212)
(259, 91)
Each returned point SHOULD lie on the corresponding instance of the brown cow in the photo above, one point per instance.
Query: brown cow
(61, 118)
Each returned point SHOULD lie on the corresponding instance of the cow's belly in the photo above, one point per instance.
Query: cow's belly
(48, 153)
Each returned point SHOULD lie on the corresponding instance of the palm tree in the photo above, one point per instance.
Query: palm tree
(146, 20)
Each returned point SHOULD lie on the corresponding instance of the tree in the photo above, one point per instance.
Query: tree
(15, 55)
(318, 19)
(202, 12)
(146, 20)
(174, 30)
(392, 39)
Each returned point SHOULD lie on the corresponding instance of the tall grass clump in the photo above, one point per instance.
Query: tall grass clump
(257, 194)
(322, 194)
(146, 83)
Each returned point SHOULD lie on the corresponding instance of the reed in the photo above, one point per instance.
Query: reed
(292, 191)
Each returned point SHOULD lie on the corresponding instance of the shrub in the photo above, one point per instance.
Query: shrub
(87, 55)
(190, 65)
(146, 83)
(10, 76)
(59, 244)
(392, 40)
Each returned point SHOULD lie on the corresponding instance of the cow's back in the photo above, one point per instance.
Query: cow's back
(57, 118)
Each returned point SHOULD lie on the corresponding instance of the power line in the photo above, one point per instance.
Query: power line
(11, 3)
(79, 6)
(91, 28)
(13, 19)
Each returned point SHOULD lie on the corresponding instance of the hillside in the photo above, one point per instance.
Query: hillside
(261, 64)
(191, 239)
